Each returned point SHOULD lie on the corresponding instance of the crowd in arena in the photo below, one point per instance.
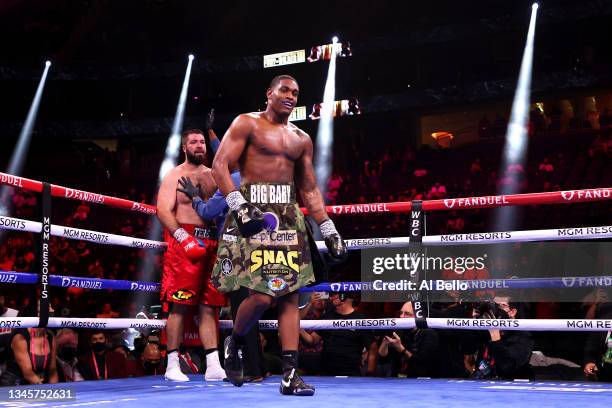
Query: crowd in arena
(578, 157)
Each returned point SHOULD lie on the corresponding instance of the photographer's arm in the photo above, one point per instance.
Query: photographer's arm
(383, 350)
(310, 338)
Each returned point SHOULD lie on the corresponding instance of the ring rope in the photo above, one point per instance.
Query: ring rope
(465, 203)
(74, 194)
(556, 234)
(17, 224)
(571, 196)
(470, 203)
(466, 285)
(80, 282)
(340, 324)
(599, 232)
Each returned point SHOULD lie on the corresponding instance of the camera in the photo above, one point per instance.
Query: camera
(489, 307)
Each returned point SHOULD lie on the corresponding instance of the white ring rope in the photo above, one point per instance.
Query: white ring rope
(560, 234)
(340, 324)
(17, 224)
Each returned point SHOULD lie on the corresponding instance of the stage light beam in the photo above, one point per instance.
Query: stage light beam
(147, 262)
(174, 141)
(325, 132)
(20, 151)
(515, 147)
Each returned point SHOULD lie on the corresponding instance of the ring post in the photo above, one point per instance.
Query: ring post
(43, 283)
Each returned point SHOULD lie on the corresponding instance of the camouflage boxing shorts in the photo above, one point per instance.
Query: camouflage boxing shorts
(276, 261)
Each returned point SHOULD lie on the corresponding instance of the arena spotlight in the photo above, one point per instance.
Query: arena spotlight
(335, 39)
(325, 133)
(514, 155)
(535, 6)
(516, 134)
(174, 141)
(147, 262)
(20, 151)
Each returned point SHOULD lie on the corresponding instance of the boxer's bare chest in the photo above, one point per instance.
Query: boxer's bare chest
(271, 153)
(273, 140)
(202, 177)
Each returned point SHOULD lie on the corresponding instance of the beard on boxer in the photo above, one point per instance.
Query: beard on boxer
(197, 157)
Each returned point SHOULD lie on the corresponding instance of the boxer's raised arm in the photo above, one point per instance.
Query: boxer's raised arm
(231, 148)
(166, 201)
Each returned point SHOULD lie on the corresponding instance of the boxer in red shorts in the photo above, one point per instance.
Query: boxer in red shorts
(188, 262)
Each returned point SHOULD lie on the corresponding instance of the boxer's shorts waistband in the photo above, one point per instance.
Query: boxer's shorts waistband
(201, 231)
(269, 193)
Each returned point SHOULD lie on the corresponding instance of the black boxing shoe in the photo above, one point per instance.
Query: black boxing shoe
(233, 362)
(292, 384)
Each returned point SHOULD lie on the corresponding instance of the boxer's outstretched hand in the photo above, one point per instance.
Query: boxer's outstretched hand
(188, 188)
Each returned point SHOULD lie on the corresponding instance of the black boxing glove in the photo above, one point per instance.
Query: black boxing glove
(333, 241)
(249, 218)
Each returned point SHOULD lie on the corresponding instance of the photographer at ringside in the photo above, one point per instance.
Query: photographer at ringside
(343, 349)
(598, 348)
(501, 353)
(413, 352)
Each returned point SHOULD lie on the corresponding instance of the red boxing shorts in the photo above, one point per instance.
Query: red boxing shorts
(185, 282)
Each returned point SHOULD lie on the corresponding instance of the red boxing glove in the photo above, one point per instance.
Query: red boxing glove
(192, 247)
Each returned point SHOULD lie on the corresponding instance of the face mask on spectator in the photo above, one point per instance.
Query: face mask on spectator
(98, 346)
(67, 353)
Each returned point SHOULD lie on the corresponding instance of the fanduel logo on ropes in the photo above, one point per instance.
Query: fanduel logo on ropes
(8, 278)
(587, 282)
(595, 193)
(359, 208)
(84, 196)
(145, 287)
(143, 208)
(11, 180)
(80, 283)
(475, 201)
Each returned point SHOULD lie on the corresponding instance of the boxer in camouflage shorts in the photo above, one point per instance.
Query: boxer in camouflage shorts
(264, 245)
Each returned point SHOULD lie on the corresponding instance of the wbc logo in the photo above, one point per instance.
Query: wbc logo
(568, 195)
(449, 203)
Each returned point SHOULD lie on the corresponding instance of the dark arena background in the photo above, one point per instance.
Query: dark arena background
(462, 150)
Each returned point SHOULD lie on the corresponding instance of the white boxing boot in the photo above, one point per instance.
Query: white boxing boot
(214, 372)
(173, 369)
